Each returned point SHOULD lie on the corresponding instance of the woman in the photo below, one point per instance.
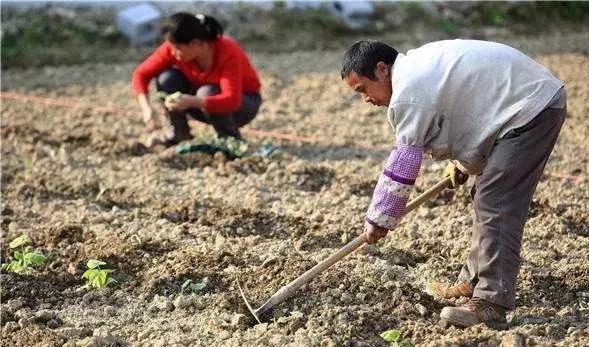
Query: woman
(217, 82)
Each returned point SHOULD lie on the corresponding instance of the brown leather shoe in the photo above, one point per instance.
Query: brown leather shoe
(441, 290)
(474, 312)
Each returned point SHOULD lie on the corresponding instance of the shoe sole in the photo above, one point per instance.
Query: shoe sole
(445, 323)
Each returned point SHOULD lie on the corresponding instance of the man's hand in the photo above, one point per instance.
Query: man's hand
(181, 102)
(457, 177)
(374, 233)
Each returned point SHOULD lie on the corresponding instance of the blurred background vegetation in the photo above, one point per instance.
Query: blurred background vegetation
(58, 35)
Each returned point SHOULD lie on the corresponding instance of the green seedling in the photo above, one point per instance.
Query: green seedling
(173, 97)
(394, 338)
(23, 258)
(235, 147)
(161, 96)
(97, 278)
(231, 147)
(193, 287)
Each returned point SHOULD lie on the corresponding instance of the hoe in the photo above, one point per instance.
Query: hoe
(289, 289)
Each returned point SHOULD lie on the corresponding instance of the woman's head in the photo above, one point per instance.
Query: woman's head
(191, 35)
(183, 28)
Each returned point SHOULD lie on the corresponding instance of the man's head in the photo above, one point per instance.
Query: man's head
(366, 68)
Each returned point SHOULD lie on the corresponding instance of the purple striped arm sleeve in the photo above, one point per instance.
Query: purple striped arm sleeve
(394, 185)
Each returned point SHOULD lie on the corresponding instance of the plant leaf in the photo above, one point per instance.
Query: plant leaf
(391, 335)
(18, 255)
(101, 279)
(196, 287)
(90, 274)
(35, 258)
(19, 241)
(93, 263)
(184, 285)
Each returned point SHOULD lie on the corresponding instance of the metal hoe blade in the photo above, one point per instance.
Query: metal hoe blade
(249, 307)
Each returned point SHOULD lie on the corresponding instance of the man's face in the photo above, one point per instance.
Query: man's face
(378, 91)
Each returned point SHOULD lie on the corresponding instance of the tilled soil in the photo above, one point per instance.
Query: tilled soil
(75, 180)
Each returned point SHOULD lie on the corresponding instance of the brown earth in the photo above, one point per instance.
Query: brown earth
(76, 182)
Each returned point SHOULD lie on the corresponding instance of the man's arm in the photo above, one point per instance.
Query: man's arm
(392, 191)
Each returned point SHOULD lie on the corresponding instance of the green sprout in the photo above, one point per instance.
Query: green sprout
(23, 257)
(97, 278)
(192, 286)
(235, 147)
(164, 96)
(394, 337)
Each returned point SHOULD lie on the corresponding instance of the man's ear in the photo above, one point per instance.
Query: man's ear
(383, 68)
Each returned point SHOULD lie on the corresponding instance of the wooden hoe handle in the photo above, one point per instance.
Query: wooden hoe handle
(289, 289)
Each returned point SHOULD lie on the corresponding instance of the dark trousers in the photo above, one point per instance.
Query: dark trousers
(502, 194)
(172, 80)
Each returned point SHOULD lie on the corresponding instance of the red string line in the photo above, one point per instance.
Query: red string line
(73, 104)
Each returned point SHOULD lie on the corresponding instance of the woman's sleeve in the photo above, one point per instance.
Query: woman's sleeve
(157, 62)
(230, 83)
(394, 185)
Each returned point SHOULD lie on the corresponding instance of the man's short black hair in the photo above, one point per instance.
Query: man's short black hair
(363, 56)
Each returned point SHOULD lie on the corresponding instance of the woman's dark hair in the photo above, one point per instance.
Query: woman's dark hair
(363, 56)
(184, 27)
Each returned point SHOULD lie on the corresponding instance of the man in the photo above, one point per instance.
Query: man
(493, 111)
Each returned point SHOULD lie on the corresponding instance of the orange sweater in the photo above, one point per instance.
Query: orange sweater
(231, 70)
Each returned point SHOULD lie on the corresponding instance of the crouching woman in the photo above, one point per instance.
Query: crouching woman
(206, 75)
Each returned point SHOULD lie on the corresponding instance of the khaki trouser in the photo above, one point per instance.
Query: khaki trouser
(501, 195)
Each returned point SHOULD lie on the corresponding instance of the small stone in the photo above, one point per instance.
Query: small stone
(44, 316)
(512, 340)
(567, 311)
(90, 296)
(10, 327)
(346, 298)
(239, 321)
(182, 301)
(23, 313)
(53, 323)
(110, 311)
(223, 335)
(161, 303)
(143, 335)
(269, 261)
(24, 322)
(574, 332)
(6, 314)
(75, 333)
(422, 310)
(14, 305)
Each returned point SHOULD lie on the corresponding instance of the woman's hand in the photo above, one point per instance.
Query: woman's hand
(181, 102)
(147, 112)
(374, 233)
